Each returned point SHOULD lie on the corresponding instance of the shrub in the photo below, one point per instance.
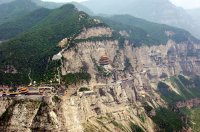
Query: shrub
(56, 99)
(84, 89)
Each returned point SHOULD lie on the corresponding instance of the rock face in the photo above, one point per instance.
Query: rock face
(93, 32)
(97, 110)
(189, 103)
(145, 65)
(135, 73)
(138, 69)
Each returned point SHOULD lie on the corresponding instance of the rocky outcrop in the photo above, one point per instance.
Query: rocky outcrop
(18, 115)
(106, 108)
(188, 103)
(95, 32)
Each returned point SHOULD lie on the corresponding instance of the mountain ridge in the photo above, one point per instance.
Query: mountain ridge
(160, 11)
(11, 11)
(150, 32)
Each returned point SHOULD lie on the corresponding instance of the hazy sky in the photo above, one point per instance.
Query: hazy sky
(61, 1)
(188, 4)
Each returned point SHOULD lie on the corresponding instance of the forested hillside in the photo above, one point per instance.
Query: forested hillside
(31, 52)
(148, 33)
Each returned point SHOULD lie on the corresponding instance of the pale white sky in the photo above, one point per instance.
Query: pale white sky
(188, 4)
(63, 1)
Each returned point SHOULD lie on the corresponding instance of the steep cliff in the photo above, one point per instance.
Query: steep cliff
(140, 69)
(104, 109)
(145, 65)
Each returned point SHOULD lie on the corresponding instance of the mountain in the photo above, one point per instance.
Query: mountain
(5, 1)
(106, 83)
(144, 32)
(149, 10)
(14, 10)
(159, 11)
(30, 51)
(104, 87)
(67, 71)
(13, 28)
(34, 37)
(53, 5)
(81, 7)
(11, 11)
(45, 4)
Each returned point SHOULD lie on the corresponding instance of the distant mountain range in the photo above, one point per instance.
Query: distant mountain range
(50, 5)
(159, 11)
(13, 10)
(141, 31)
(5, 1)
(144, 32)
(13, 28)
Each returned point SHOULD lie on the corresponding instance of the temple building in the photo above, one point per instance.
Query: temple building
(104, 60)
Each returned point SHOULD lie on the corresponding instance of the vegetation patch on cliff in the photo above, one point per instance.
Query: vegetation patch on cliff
(167, 94)
(119, 125)
(167, 120)
(74, 78)
(5, 117)
(188, 88)
(82, 89)
(135, 128)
